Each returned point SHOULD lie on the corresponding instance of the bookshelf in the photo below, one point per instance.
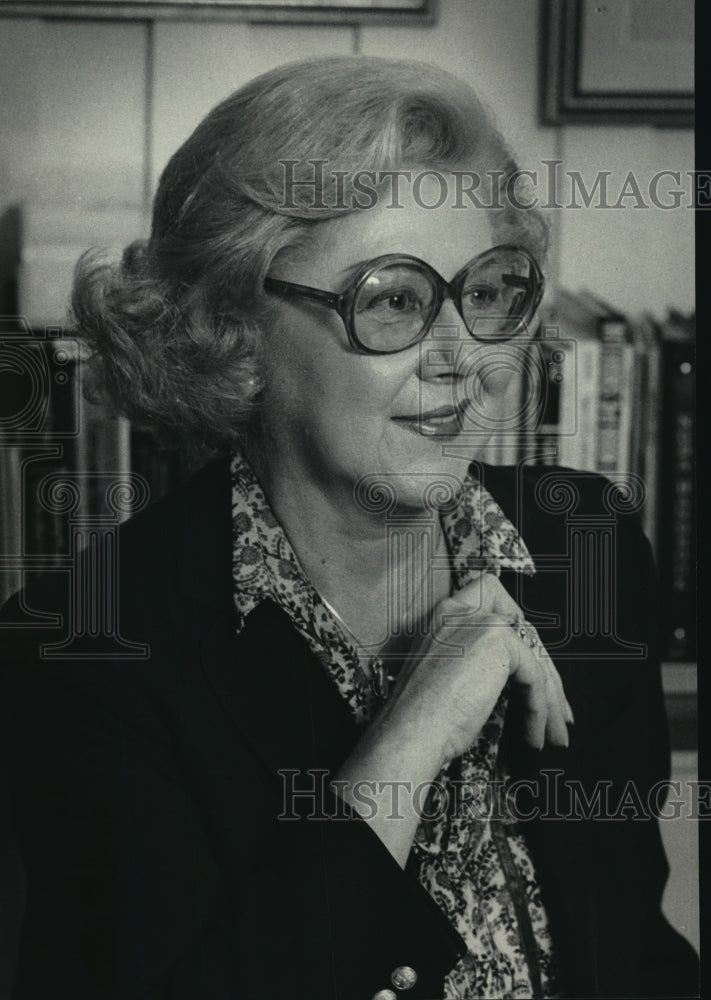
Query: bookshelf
(66, 463)
(628, 420)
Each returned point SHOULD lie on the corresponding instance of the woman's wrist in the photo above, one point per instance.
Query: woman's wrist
(386, 778)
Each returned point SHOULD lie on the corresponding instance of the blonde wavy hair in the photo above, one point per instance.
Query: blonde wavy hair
(174, 329)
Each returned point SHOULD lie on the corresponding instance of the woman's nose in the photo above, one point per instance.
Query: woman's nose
(446, 350)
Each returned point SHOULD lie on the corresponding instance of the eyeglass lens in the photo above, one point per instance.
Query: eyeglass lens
(396, 301)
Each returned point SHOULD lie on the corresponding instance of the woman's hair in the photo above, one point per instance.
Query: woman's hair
(175, 327)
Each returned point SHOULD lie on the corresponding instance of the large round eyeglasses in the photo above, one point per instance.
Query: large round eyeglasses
(393, 300)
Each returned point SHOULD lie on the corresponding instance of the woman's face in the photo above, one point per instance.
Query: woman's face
(331, 416)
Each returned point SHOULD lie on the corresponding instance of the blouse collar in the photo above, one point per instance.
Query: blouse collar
(265, 566)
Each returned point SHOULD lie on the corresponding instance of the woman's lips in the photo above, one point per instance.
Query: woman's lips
(443, 421)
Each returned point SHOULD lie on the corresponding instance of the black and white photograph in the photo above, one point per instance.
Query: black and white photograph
(348, 515)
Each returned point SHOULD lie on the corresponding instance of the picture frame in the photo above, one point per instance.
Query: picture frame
(420, 12)
(617, 61)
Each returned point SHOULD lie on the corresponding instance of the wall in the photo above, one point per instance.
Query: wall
(91, 111)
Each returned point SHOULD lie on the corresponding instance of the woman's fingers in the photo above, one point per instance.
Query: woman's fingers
(556, 727)
(531, 684)
(538, 712)
(484, 602)
(555, 682)
(558, 684)
(544, 702)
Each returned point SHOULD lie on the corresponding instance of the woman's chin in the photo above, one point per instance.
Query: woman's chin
(420, 482)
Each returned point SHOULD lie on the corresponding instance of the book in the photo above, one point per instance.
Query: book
(552, 360)
(10, 520)
(615, 400)
(676, 484)
(580, 385)
(647, 337)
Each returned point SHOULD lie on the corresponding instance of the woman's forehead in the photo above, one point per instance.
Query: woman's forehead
(443, 236)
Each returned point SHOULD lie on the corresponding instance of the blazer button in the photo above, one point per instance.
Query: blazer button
(385, 995)
(403, 978)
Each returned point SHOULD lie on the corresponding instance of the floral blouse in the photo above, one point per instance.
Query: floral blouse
(475, 865)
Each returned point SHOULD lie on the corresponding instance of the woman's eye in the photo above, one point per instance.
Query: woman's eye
(401, 301)
(480, 295)
(394, 303)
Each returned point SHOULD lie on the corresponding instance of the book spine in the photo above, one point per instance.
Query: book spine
(11, 519)
(569, 438)
(612, 365)
(677, 529)
(638, 399)
(650, 405)
(627, 409)
(579, 404)
(44, 455)
(588, 396)
(528, 407)
(552, 359)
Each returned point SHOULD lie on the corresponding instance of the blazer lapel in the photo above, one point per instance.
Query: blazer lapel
(276, 692)
(269, 682)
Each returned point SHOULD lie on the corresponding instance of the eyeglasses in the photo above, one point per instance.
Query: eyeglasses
(393, 300)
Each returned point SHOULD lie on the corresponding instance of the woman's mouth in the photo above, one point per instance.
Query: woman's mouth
(441, 422)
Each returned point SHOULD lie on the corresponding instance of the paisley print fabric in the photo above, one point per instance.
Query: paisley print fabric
(474, 863)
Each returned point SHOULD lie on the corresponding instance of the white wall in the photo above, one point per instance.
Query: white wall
(92, 110)
(72, 113)
(638, 257)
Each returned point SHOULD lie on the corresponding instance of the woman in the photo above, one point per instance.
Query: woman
(331, 775)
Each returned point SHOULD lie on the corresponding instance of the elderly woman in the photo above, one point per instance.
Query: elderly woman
(346, 768)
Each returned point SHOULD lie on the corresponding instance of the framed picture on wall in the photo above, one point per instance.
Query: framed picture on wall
(618, 61)
(286, 11)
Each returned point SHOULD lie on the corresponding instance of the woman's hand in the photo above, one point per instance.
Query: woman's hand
(460, 669)
(442, 699)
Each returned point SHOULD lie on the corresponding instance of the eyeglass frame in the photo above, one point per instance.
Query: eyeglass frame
(344, 302)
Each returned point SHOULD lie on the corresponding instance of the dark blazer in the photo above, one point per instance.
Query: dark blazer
(147, 791)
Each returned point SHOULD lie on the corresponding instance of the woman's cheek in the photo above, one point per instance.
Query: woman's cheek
(486, 383)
